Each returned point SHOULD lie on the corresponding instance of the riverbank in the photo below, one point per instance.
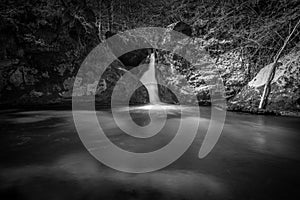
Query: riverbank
(67, 105)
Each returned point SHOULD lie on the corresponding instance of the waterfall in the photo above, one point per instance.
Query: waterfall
(149, 80)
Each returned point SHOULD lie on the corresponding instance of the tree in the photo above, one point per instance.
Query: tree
(267, 88)
(110, 10)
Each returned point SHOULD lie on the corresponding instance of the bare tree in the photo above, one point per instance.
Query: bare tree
(267, 88)
(110, 15)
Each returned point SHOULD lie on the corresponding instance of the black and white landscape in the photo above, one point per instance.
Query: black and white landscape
(232, 64)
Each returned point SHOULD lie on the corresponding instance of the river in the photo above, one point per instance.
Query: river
(42, 157)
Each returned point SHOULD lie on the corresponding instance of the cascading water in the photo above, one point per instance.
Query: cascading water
(150, 81)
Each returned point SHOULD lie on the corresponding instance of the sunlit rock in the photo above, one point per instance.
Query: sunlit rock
(285, 89)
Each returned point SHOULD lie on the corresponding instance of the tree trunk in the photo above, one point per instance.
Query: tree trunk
(267, 88)
(110, 15)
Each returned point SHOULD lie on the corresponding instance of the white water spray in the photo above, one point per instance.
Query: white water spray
(150, 81)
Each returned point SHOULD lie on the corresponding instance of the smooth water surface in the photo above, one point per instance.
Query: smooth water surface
(42, 157)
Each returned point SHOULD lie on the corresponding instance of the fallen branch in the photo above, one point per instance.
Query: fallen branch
(267, 88)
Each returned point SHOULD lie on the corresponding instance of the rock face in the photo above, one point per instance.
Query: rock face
(41, 49)
(194, 78)
(103, 89)
(41, 54)
(285, 91)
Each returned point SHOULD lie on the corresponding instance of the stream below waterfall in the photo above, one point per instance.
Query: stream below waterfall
(42, 157)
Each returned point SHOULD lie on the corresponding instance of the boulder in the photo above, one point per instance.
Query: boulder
(285, 90)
